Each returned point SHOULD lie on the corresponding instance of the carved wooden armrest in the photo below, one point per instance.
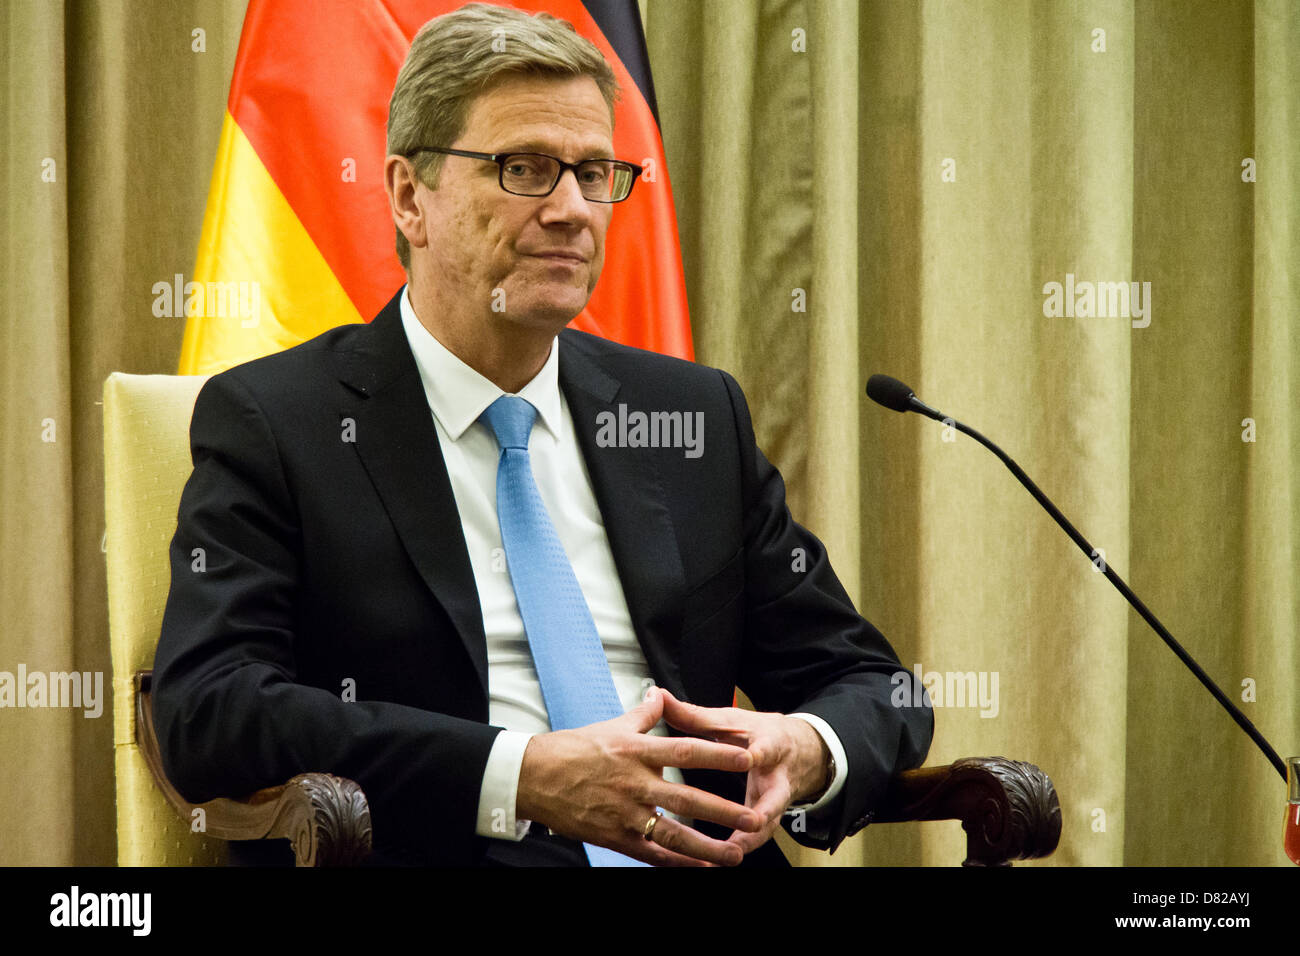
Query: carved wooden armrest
(325, 818)
(1008, 808)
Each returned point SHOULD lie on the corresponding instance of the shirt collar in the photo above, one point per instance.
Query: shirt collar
(458, 394)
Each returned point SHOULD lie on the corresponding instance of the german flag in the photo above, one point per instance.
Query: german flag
(297, 209)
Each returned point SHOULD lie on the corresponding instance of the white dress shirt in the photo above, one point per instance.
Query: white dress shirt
(457, 395)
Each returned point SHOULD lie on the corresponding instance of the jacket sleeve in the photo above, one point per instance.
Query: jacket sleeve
(230, 712)
(808, 649)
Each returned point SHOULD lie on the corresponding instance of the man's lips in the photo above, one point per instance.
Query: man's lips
(559, 255)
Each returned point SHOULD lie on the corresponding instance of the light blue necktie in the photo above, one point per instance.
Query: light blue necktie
(571, 665)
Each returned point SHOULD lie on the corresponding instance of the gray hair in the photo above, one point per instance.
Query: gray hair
(458, 56)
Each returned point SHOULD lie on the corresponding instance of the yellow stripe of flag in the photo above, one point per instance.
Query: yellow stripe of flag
(260, 283)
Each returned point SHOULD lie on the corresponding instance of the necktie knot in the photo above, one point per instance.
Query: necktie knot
(511, 420)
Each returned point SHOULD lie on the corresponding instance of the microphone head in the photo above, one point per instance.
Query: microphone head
(889, 392)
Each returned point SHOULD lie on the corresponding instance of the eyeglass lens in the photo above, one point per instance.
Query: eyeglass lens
(602, 180)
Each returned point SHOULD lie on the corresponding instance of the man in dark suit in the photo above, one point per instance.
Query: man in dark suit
(358, 608)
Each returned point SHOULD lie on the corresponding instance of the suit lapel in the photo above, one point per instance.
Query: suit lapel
(398, 446)
(633, 504)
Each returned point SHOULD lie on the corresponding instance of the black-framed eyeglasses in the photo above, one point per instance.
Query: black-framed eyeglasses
(536, 174)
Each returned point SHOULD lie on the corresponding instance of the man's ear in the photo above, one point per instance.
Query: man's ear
(401, 185)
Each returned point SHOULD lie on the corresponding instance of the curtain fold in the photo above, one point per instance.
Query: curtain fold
(39, 453)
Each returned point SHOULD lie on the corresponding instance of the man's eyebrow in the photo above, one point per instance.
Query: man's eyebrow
(533, 146)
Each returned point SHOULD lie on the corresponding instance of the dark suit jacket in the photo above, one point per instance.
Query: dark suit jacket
(332, 552)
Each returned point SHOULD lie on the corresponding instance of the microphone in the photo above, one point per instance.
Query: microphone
(893, 394)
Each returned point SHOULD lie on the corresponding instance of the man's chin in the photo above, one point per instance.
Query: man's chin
(551, 314)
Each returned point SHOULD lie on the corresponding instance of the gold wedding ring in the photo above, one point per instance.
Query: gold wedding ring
(648, 830)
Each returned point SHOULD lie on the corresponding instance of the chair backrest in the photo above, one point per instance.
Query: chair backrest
(146, 464)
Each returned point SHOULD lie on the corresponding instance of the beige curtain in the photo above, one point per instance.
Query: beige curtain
(111, 113)
(918, 172)
(861, 186)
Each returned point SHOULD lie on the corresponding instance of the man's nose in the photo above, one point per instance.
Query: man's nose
(566, 202)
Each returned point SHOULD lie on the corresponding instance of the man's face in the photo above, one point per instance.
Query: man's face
(544, 254)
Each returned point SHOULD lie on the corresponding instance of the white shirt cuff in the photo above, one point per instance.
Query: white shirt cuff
(496, 797)
(841, 765)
